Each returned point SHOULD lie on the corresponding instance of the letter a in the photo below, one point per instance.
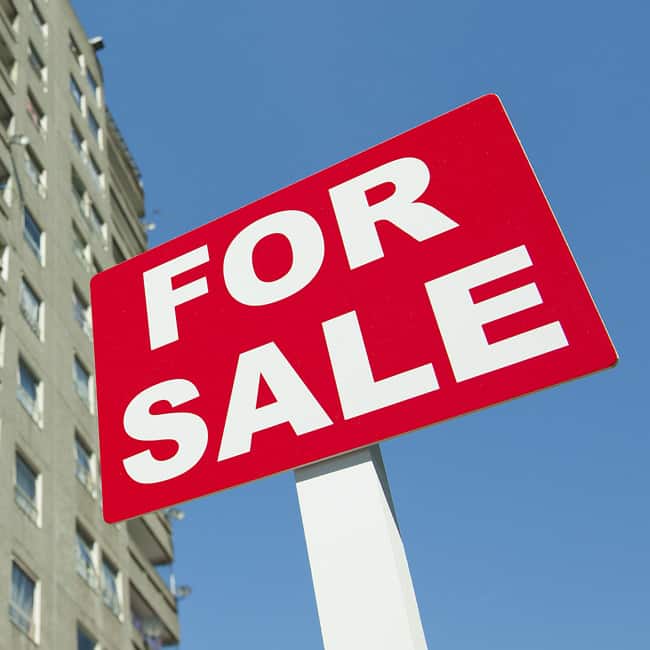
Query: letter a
(295, 403)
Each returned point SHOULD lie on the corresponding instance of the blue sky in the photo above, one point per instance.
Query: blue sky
(526, 525)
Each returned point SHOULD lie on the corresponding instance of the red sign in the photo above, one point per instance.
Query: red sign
(418, 280)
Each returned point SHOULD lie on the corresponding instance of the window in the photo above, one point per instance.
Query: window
(82, 385)
(6, 115)
(8, 60)
(33, 235)
(97, 223)
(77, 139)
(23, 601)
(80, 247)
(30, 391)
(31, 307)
(96, 174)
(26, 488)
(110, 587)
(4, 260)
(36, 62)
(11, 13)
(81, 311)
(86, 563)
(5, 183)
(38, 19)
(93, 124)
(80, 195)
(94, 86)
(118, 255)
(2, 343)
(84, 640)
(85, 465)
(76, 50)
(76, 93)
(35, 171)
(36, 114)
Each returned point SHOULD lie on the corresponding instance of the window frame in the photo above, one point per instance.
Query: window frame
(33, 407)
(81, 311)
(36, 171)
(81, 629)
(94, 127)
(3, 339)
(36, 114)
(4, 259)
(86, 567)
(37, 248)
(13, 20)
(77, 94)
(83, 254)
(86, 397)
(37, 325)
(8, 60)
(87, 477)
(36, 62)
(39, 18)
(76, 50)
(96, 174)
(33, 618)
(78, 141)
(97, 223)
(8, 111)
(30, 507)
(112, 600)
(95, 86)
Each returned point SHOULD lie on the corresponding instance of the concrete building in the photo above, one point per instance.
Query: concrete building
(71, 203)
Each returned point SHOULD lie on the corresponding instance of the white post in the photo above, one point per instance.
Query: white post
(364, 593)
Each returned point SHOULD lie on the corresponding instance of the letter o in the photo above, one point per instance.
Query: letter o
(307, 246)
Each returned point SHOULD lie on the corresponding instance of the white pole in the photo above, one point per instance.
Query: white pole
(363, 587)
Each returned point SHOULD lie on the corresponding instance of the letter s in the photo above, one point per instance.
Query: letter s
(188, 430)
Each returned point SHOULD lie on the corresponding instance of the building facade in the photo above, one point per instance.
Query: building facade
(71, 204)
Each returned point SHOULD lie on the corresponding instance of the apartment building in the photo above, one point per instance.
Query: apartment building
(71, 204)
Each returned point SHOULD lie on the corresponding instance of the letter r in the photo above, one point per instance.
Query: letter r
(357, 219)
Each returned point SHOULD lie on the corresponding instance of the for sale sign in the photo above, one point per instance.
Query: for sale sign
(421, 279)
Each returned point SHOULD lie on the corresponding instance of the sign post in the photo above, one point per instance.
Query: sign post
(363, 586)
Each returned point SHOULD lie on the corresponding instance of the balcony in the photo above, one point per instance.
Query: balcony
(152, 535)
(153, 608)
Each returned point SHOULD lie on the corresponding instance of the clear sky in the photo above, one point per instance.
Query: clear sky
(526, 525)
